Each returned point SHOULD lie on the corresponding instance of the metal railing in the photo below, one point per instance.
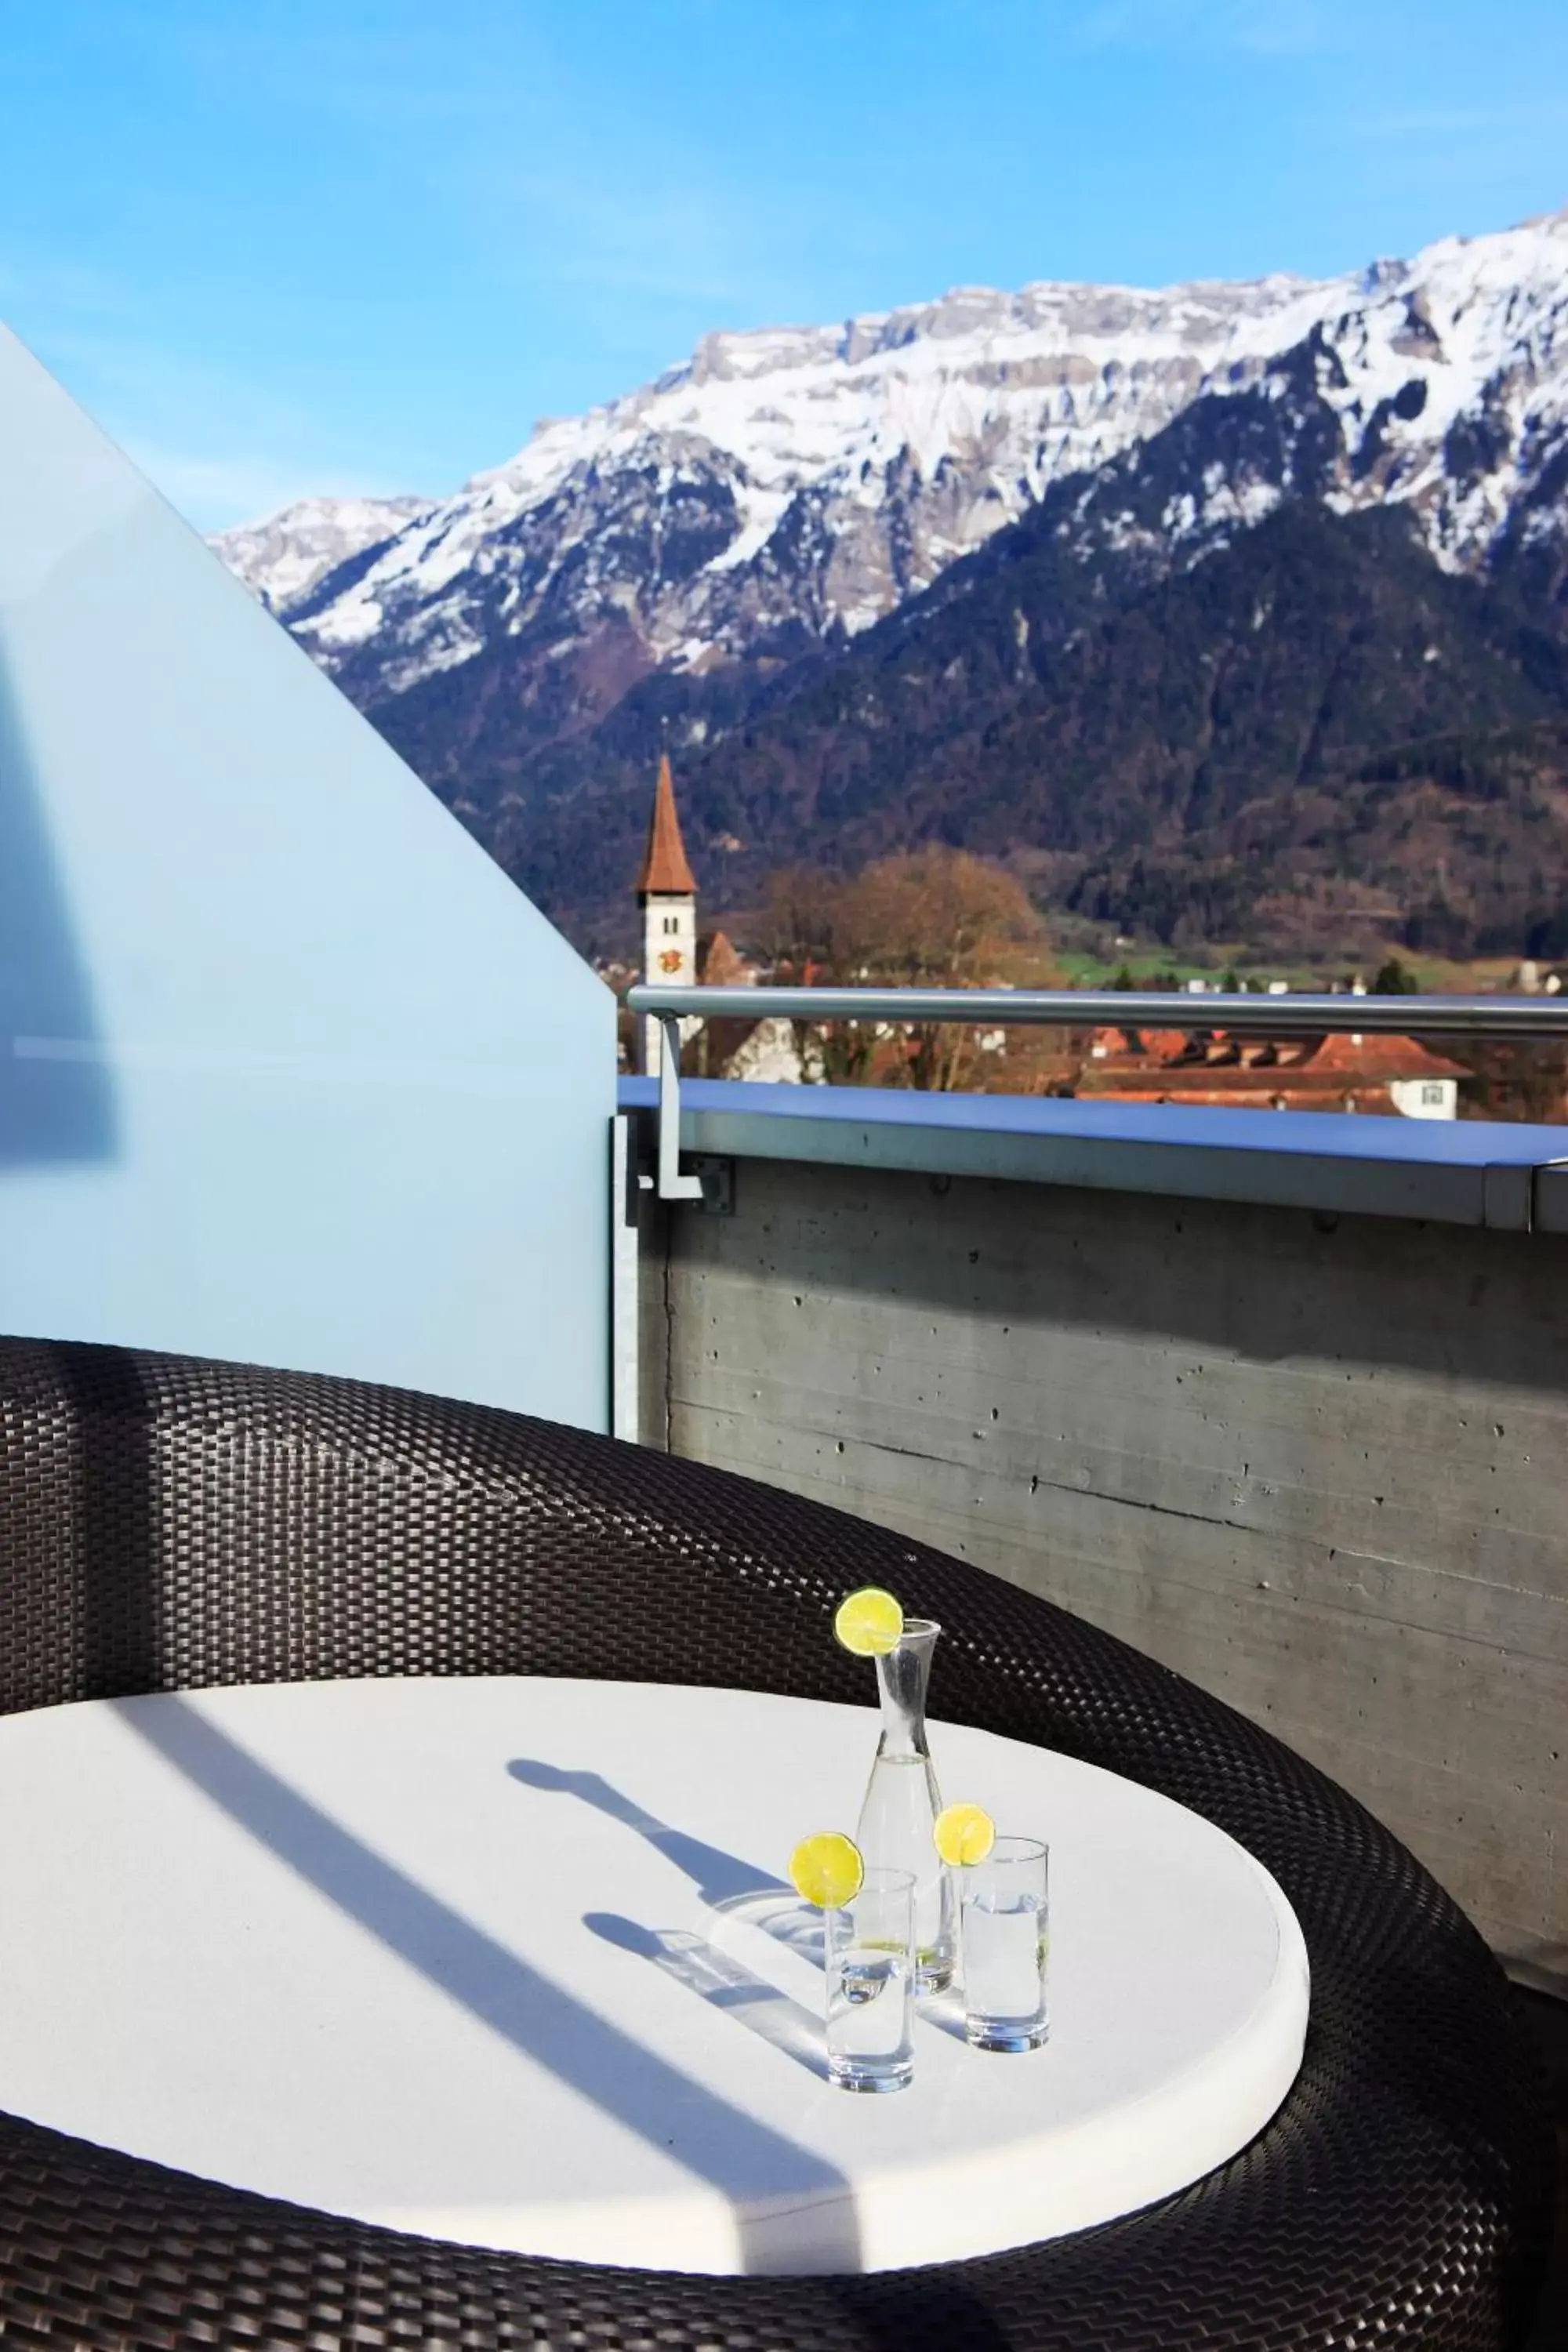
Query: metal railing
(1500, 1018)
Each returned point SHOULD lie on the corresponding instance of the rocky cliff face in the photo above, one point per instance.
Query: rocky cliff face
(693, 552)
(282, 559)
(808, 481)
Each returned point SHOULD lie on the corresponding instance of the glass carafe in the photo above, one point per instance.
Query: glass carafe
(902, 1801)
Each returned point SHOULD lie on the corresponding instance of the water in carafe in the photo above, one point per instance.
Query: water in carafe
(902, 1802)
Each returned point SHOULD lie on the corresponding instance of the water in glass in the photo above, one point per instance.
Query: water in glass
(869, 1985)
(1005, 1942)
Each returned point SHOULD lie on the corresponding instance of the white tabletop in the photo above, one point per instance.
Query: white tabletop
(500, 1961)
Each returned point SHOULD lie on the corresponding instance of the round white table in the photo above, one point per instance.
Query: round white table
(510, 1961)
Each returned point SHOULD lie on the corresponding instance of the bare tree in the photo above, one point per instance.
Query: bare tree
(932, 917)
(801, 930)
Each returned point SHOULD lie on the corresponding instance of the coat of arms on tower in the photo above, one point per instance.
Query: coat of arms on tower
(670, 960)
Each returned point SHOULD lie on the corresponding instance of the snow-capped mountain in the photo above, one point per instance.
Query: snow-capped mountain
(796, 485)
(1188, 603)
(282, 559)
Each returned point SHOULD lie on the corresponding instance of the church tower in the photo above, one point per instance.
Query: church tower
(667, 895)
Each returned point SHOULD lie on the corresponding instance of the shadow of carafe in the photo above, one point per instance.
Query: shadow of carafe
(723, 1983)
(728, 1886)
(718, 1877)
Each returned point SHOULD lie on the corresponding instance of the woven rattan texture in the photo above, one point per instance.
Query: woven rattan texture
(166, 1524)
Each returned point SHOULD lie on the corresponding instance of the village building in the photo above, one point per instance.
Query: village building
(1353, 1072)
(1359, 1072)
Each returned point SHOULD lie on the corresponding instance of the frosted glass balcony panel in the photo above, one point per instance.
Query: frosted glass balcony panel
(289, 1071)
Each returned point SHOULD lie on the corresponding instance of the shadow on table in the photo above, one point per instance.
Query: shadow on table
(945, 2012)
(780, 1913)
(717, 1876)
(726, 1882)
(743, 2158)
(723, 1983)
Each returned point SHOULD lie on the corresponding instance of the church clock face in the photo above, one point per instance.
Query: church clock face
(670, 960)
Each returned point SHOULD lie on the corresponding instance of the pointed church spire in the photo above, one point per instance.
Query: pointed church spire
(664, 872)
(666, 893)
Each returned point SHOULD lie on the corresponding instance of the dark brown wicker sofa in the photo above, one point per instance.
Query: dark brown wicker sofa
(166, 1524)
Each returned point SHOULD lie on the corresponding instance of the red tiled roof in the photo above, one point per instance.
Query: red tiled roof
(1159, 1044)
(1360, 1057)
(1387, 1058)
(664, 872)
(1353, 1071)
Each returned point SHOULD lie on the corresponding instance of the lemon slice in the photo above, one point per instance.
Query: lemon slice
(964, 1833)
(826, 1869)
(869, 1622)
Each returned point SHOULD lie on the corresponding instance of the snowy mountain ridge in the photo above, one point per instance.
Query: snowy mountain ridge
(282, 557)
(796, 485)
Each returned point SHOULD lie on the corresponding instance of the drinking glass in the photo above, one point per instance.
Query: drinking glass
(870, 1984)
(1005, 1922)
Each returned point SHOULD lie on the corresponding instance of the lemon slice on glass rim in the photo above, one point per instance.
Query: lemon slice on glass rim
(964, 1833)
(869, 1622)
(827, 1870)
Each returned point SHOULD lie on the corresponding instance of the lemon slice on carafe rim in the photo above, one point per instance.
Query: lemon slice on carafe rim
(827, 1870)
(964, 1833)
(869, 1622)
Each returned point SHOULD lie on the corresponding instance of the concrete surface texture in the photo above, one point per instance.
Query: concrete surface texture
(1315, 1463)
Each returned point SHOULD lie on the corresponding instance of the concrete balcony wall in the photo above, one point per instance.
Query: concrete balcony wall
(1310, 1457)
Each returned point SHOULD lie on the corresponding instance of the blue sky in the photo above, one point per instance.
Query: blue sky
(360, 245)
